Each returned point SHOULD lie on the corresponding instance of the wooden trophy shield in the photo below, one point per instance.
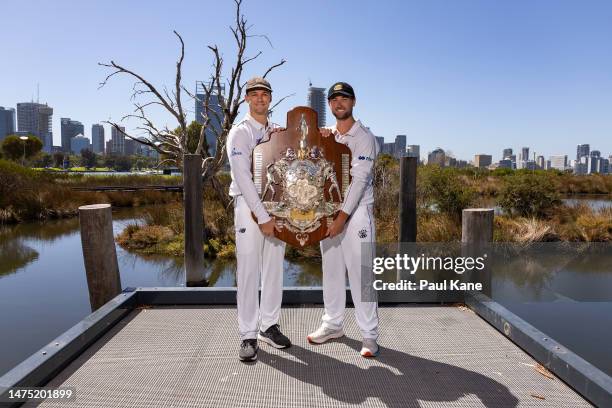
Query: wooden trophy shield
(302, 178)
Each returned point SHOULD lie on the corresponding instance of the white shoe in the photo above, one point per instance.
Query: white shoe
(323, 334)
(369, 348)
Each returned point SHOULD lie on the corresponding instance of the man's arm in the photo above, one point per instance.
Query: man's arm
(239, 156)
(363, 158)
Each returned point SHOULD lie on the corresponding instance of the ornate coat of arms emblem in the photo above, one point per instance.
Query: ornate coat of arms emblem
(301, 178)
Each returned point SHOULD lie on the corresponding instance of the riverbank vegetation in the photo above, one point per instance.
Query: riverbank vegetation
(530, 204)
(27, 194)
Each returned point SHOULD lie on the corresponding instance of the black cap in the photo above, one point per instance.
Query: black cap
(340, 88)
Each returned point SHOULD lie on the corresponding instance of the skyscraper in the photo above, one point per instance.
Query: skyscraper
(437, 157)
(216, 120)
(79, 143)
(97, 138)
(507, 153)
(558, 162)
(69, 129)
(36, 119)
(381, 142)
(400, 145)
(482, 160)
(117, 141)
(541, 162)
(413, 151)
(7, 122)
(317, 101)
(582, 150)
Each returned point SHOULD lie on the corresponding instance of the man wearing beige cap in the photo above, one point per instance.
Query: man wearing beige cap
(258, 252)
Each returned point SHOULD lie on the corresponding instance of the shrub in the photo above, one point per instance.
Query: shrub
(528, 195)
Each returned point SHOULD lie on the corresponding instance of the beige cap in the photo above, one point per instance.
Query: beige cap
(258, 83)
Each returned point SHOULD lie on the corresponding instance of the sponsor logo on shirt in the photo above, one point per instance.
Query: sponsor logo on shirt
(363, 233)
(236, 152)
(365, 158)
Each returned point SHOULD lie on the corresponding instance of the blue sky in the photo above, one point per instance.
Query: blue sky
(470, 76)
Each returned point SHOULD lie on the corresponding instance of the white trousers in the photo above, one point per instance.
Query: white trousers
(256, 256)
(342, 253)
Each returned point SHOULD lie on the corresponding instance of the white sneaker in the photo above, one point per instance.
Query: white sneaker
(323, 334)
(369, 348)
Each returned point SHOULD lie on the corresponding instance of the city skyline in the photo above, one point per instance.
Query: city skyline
(482, 78)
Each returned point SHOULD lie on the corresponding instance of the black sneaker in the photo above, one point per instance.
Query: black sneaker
(274, 337)
(248, 350)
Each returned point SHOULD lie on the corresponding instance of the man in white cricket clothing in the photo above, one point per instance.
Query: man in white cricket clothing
(352, 228)
(258, 253)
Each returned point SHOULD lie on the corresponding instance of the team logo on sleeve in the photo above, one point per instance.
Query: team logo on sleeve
(363, 233)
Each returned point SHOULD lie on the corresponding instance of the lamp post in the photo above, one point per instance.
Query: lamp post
(24, 138)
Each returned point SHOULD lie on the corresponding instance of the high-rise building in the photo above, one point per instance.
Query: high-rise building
(79, 143)
(214, 113)
(507, 153)
(400, 145)
(317, 101)
(540, 162)
(604, 166)
(69, 129)
(117, 141)
(413, 151)
(505, 164)
(381, 142)
(558, 162)
(36, 119)
(130, 147)
(389, 148)
(595, 153)
(7, 122)
(582, 150)
(482, 160)
(437, 157)
(97, 138)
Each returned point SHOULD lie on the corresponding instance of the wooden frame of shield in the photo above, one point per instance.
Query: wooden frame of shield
(304, 162)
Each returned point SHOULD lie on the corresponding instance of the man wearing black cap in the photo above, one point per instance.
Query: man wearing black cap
(257, 251)
(352, 227)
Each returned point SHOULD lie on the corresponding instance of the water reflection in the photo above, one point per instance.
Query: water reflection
(14, 255)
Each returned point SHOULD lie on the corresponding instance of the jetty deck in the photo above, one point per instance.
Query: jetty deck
(130, 354)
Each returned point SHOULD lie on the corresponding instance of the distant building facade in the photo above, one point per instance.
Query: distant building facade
(7, 122)
(215, 113)
(318, 102)
(36, 119)
(70, 129)
(97, 138)
(483, 160)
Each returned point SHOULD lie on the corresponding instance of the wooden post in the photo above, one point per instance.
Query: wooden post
(99, 254)
(477, 225)
(407, 200)
(476, 234)
(194, 220)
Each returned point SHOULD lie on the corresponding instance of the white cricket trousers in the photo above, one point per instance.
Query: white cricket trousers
(256, 256)
(342, 253)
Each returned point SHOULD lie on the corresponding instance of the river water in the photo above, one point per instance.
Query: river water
(43, 290)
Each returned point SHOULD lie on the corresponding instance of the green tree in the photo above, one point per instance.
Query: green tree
(193, 136)
(58, 159)
(122, 163)
(13, 147)
(88, 158)
(443, 188)
(43, 160)
(529, 195)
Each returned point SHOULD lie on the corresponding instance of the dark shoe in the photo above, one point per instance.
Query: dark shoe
(274, 337)
(248, 350)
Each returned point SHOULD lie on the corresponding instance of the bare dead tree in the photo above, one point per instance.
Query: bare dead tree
(172, 144)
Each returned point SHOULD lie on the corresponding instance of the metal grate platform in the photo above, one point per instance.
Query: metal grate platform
(431, 356)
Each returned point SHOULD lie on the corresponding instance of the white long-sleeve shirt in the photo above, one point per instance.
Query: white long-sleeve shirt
(364, 150)
(241, 140)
